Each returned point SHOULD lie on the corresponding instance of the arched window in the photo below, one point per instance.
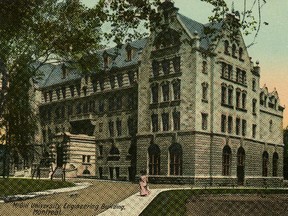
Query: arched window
(114, 154)
(265, 158)
(275, 164)
(226, 161)
(154, 92)
(86, 172)
(204, 91)
(241, 53)
(175, 152)
(254, 84)
(154, 159)
(240, 156)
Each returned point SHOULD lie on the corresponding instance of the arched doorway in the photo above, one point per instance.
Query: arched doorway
(241, 166)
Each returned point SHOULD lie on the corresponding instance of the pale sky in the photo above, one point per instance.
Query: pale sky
(271, 45)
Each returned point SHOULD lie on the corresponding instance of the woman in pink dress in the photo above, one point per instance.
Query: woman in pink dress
(143, 183)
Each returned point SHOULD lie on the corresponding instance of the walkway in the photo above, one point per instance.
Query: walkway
(134, 204)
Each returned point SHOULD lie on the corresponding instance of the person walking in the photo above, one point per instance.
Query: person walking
(143, 183)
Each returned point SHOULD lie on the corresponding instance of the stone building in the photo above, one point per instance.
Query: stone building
(181, 104)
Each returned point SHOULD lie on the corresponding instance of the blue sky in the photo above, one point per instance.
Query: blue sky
(271, 45)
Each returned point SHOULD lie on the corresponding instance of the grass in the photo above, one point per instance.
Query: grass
(173, 202)
(12, 186)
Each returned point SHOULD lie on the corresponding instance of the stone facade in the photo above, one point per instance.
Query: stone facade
(178, 104)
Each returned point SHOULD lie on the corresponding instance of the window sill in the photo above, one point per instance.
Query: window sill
(241, 109)
(227, 105)
(204, 100)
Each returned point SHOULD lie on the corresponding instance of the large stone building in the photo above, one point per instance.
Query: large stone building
(183, 105)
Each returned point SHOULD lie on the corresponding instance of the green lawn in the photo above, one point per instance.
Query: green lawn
(12, 186)
(173, 202)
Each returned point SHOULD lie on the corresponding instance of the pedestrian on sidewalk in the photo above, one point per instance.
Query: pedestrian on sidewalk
(143, 183)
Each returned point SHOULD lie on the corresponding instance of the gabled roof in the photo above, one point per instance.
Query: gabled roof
(193, 27)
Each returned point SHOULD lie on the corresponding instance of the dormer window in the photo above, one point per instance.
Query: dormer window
(64, 71)
(129, 53)
(106, 61)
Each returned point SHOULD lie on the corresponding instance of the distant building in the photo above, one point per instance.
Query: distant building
(182, 106)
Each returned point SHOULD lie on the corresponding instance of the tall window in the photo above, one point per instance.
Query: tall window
(118, 102)
(101, 106)
(254, 102)
(204, 67)
(154, 119)
(240, 53)
(275, 164)
(120, 80)
(165, 91)
(204, 121)
(223, 93)
(131, 77)
(176, 89)
(176, 120)
(205, 91)
(244, 127)
(63, 89)
(111, 128)
(166, 66)
(234, 51)
(112, 82)
(155, 68)
(154, 91)
(129, 53)
(254, 85)
(226, 47)
(119, 127)
(223, 123)
(175, 152)
(240, 156)
(165, 121)
(230, 124)
(238, 98)
(270, 125)
(50, 95)
(230, 95)
(238, 126)
(58, 94)
(254, 127)
(176, 64)
(154, 159)
(226, 161)
(230, 72)
(244, 99)
(265, 158)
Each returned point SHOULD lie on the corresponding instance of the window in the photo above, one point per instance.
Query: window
(155, 68)
(100, 150)
(85, 107)
(114, 154)
(223, 123)
(254, 127)
(270, 125)
(166, 66)
(244, 99)
(118, 103)
(78, 89)
(230, 95)
(204, 91)
(154, 118)
(154, 159)
(165, 91)
(101, 106)
(234, 51)
(204, 121)
(50, 95)
(112, 82)
(58, 94)
(175, 153)
(230, 72)
(241, 53)
(244, 127)
(265, 158)
(111, 128)
(129, 53)
(275, 164)
(204, 67)
(165, 121)
(238, 126)
(230, 124)
(119, 127)
(85, 90)
(176, 64)
(254, 102)
(100, 127)
(78, 108)
(131, 77)
(226, 47)
(176, 120)
(64, 71)
(83, 158)
(45, 94)
(223, 93)
(72, 89)
(101, 83)
(254, 85)
(120, 80)
(240, 156)
(91, 106)
(111, 104)
(238, 75)
(88, 158)
(154, 91)
(176, 89)
(105, 61)
(226, 161)
(238, 98)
